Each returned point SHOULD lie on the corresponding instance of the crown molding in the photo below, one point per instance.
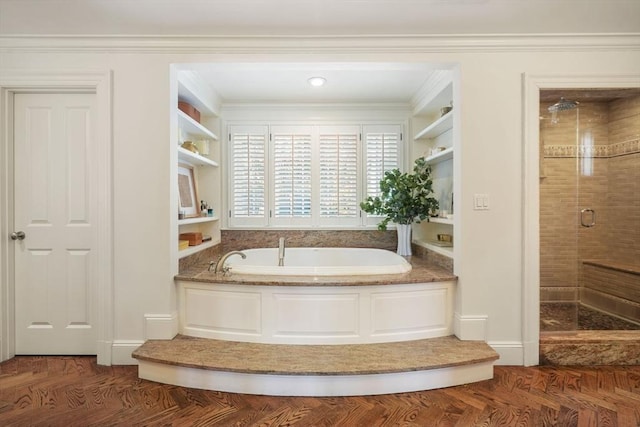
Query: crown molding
(320, 44)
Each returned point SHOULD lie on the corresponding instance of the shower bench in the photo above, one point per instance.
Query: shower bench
(612, 287)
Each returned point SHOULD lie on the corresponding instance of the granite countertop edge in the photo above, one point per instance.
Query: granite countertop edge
(421, 272)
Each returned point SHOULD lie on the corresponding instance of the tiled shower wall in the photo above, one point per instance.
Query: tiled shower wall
(602, 173)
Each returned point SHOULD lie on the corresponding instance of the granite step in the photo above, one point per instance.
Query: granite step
(315, 370)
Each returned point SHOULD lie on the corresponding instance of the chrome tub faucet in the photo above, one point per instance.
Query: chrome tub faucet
(219, 266)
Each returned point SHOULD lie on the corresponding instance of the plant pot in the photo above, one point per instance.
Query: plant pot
(404, 239)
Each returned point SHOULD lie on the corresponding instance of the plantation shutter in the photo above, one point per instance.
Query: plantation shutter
(382, 144)
(338, 171)
(383, 152)
(248, 148)
(291, 148)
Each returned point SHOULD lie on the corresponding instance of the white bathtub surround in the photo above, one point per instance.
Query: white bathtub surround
(319, 262)
(305, 313)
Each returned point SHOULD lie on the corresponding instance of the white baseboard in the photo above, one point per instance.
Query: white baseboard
(511, 352)
(160, 326)
(531, 356)
(156, 327)
(470, 328)
(103, 353)
(121, 352)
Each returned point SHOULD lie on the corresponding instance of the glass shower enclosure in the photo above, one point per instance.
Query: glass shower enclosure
(589, 210)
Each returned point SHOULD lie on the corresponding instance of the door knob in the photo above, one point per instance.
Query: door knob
(18, 235)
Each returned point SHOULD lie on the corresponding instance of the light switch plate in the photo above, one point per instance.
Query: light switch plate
(481, 202)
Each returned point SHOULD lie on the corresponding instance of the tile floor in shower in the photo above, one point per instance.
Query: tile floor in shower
(573, 316)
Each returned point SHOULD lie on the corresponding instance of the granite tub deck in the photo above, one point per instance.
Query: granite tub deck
(421, 272)
(316, 370)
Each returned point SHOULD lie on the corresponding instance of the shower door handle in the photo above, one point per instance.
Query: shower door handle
(592, 221)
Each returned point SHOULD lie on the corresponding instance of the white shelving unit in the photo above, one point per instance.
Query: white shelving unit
(442, 156)
(194, 128)
(432, 246)
(436, 128)
(434, 131)
(195, 249)
(441, 221)
(206, 171)
(198, 220)
(186, 156)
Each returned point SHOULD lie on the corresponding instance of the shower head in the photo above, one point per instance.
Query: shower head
(563, 105)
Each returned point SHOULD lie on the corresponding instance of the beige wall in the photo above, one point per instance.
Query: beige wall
(611, 187)
(490, 259)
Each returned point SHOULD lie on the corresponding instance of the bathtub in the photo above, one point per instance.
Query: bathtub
(319, 262)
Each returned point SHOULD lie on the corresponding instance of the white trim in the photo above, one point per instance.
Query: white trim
(470, 328)
(121, 352)
(314, 385)
(160, 326)
(99, 82)
(431, 88)
(7, 325)
(511, 352)
(303, 44)
(532, 84)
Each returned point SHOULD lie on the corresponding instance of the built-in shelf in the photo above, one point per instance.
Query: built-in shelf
(197, 220)
(441, 221)
(186, 156)
(195, 249)
(446, 154)
(194, 128)
(442, 250)
(436, 128)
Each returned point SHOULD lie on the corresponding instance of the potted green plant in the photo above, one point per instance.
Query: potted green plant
(404, 198)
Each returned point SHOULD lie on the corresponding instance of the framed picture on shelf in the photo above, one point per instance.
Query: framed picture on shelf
(188, 192)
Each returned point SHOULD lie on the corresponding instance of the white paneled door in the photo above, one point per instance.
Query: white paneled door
(55, 202)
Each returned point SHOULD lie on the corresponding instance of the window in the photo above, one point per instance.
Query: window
(383, 150)
(382, 153)
(291, 176)
(339, 195)
(314, 175)
(247, 176)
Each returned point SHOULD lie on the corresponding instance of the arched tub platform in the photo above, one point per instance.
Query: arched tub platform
(269, 334)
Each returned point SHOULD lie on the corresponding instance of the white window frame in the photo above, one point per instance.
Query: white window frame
(255, 221)
(286, 222)
(370, 220)
(333, 222)
(362, 220)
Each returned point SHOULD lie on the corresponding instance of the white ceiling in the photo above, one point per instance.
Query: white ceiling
(317, 17)
(346, 82)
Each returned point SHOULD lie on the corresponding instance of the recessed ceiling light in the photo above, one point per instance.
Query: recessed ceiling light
(317, 81)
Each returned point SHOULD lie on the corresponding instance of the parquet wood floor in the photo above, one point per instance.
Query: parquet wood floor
(75, 391)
